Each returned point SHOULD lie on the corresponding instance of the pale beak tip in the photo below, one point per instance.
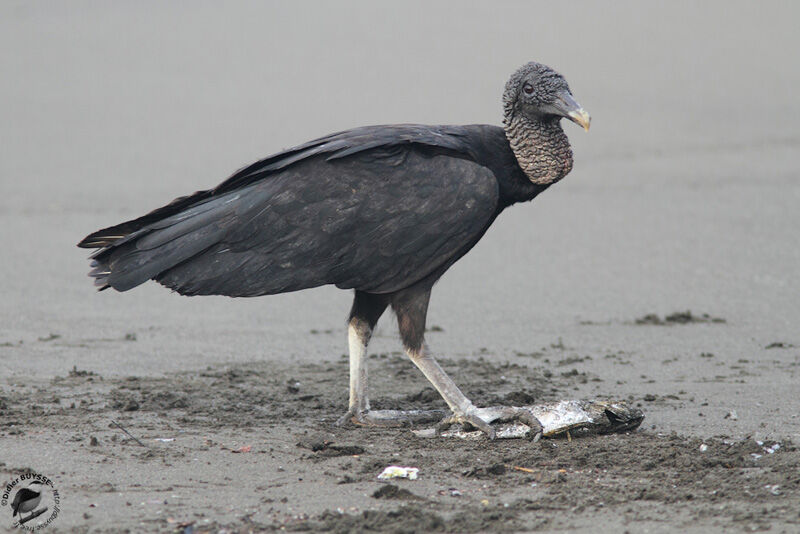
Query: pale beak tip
(581, 117)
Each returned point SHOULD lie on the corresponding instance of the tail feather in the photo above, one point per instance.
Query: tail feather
(109, 236)
(130, 267)
(100, 272)
(134, 252)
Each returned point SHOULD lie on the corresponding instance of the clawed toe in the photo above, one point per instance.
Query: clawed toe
(390, 418)
(471, 419)
(482, 419)
(525, 417)
(368, 418)
(351, 416)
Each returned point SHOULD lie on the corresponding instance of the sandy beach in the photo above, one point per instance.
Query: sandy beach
(662, 271)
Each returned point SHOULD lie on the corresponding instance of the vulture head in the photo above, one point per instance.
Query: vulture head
(539, 93)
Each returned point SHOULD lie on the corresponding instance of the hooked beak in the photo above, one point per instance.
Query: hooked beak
(581, 117)
(566, 106)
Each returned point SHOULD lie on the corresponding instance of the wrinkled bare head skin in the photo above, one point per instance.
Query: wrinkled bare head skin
(540, 93)
(535, 100)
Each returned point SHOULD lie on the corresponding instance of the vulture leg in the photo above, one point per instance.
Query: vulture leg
(411, 307)
(367, 309)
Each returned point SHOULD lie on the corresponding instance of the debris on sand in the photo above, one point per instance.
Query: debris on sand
(125, 430)
(397, 471)
(485, 472)
(779, 345)
(390, 491)
(769, 449)
(326, 448)
(684, 317)
(76, 373)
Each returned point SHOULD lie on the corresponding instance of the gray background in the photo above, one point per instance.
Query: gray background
(684, 195)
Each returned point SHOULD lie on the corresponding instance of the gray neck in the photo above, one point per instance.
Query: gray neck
(541, 147)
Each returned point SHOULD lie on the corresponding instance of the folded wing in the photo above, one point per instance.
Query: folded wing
(373, 212)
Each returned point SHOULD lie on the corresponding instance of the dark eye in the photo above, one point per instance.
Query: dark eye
(528, 88)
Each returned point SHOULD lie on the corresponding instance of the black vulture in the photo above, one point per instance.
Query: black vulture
(383, 210)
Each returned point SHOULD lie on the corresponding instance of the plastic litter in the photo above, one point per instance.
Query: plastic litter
(397, 471)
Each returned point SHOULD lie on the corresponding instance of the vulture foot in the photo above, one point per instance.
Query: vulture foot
(389, 417)
(482, 419)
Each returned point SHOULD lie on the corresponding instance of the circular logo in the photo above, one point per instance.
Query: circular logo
(31, 501)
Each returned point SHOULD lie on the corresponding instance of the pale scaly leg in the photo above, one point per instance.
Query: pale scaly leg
(464, 412)
(411, 307)
(358, 335)
(366, 311)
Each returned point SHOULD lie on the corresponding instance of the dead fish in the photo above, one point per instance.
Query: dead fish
(567, 417)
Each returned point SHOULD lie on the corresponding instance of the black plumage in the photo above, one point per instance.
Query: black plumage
(375, 208)
(384, 210)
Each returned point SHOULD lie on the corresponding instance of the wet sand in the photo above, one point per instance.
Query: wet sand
(684, 197)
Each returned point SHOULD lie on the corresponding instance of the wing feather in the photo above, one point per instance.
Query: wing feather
(373, 208)
(394, 233)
